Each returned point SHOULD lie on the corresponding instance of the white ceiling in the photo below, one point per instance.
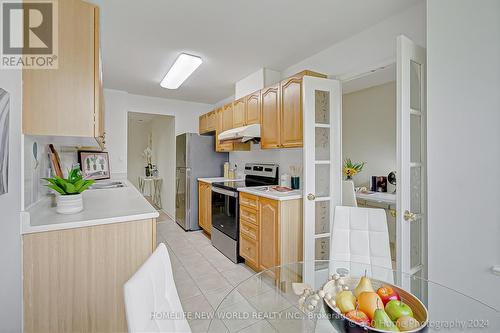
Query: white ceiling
(142, 38)
(371, 79)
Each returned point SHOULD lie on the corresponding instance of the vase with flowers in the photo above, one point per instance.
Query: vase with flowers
(351, 169)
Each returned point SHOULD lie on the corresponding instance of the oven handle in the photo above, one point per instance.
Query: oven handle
(224, 192)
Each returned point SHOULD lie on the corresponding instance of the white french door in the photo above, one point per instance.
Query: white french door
(411, 219)
(322, 106)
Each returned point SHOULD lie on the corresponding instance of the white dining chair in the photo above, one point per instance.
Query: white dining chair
(151, 300)
(348, 194)
(360, 241)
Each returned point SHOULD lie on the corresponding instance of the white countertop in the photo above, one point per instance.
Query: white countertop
(101, 206)
(380, 197)
(266, 192)
(219, 179)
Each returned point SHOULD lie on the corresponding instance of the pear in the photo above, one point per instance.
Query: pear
(407, 323)
(345, 301)
(364, 285)
(382, 321)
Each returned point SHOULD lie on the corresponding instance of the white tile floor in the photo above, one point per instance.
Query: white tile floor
(203, 275)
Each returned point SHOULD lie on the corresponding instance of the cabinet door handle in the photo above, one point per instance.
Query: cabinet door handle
(311, 197)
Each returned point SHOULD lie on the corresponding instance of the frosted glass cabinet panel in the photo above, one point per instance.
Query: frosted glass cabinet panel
(322, 107)
(322, 143)
(322, 224)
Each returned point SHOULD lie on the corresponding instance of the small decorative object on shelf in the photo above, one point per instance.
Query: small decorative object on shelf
(148, 153)
(69, 191)
(391, 178)
(351, 169)
(295, 172)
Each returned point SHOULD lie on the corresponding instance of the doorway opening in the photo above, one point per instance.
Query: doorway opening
(151, 158)
(369, 137)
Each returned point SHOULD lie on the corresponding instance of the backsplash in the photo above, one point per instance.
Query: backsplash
(284, 157)
(37, 168)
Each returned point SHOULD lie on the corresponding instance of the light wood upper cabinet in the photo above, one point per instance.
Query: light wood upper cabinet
(227, 117)
(239, 113)
(268, 233)
(221, 146)
(68, 101)
(211, 121)
(291, 113)
(205, 206)
(208, 122)
(270, 117)
(253, 108)
(202, 124)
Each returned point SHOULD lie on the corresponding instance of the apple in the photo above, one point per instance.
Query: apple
(387, 294)
(397, 309)
(368, 302)
(359, 317)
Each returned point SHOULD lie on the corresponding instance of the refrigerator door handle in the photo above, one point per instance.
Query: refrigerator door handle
(188, 198)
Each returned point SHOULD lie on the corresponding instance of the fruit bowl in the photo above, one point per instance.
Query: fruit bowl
(346, 325)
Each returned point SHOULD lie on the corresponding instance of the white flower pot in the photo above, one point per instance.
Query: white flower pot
(69, 204)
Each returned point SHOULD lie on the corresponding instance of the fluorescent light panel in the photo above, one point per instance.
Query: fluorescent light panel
(183, 67)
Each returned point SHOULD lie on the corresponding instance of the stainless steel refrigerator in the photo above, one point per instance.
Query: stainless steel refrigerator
(195, 158)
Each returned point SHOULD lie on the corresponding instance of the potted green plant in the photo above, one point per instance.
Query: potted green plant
(69, 198)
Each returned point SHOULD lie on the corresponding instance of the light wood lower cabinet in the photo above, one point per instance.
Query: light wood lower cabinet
(205, 206)
(73, 279)
(270, 231)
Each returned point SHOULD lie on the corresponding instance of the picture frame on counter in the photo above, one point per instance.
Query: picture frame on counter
(94, 164)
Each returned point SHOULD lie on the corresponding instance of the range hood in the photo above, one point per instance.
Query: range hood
(243, 134)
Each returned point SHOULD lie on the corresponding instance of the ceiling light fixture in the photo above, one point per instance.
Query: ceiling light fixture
(183, 67)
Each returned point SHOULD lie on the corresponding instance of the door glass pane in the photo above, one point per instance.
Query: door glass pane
(322, 180)
(322, 210)
(416, 243)
(322, 106)
(322, 143)
(416, 189)
(322, 248)
(415, 85)
(415, 138)
(416, 285)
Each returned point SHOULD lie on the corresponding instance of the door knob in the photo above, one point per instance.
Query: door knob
(409, 216)
(311, 197)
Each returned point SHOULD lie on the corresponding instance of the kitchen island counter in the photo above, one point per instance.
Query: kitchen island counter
(101, 206)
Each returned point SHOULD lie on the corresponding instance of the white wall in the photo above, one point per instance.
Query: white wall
(163, 129)
(118, 103)
(262, 78)
(371, 47)
(463, 102)
(369, 130)
(284, 157)
(10, 206)
(137, 141)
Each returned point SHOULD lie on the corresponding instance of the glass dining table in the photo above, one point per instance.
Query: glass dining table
(291, 298)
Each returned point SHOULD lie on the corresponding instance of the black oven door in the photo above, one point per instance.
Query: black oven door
(225, 211)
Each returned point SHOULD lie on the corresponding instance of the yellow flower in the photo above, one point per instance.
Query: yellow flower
(350, 172)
